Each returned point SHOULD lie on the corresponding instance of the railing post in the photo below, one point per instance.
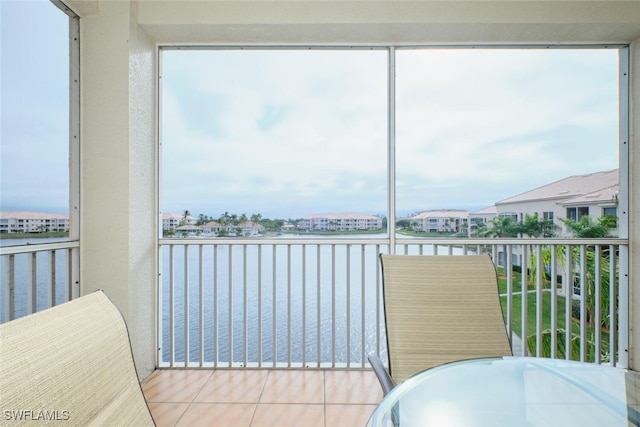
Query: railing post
(32, 282)
(51, 279)
(554, 302)
(10, 286)
(539, 303)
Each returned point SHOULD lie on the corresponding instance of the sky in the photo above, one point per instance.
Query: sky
(34, 89)
(288, 133)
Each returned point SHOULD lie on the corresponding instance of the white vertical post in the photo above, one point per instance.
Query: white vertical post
(524, 305)
(32, 282)
(539, 276)
(186, 305)
(391, 151)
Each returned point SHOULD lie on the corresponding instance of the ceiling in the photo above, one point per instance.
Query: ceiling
(366, 22)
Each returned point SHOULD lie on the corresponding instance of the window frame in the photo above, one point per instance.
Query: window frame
(391, 237)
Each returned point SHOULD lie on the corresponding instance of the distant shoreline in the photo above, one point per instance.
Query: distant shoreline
(34, 235)
(330, 232)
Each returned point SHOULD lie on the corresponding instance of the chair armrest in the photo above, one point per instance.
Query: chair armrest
(383, 376)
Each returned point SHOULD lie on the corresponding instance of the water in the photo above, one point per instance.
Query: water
(313, 300)
(31, 241)
(45, 293)
(289, 303)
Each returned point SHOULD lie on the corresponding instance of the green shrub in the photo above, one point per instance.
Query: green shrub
(560, 346)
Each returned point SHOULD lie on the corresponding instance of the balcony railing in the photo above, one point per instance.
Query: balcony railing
(37, 276)
(318, 302)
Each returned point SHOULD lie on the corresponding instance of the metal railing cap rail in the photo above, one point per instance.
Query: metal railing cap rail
(38, 247)
(385, 241)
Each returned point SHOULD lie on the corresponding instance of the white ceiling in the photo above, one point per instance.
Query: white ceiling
(365, 22)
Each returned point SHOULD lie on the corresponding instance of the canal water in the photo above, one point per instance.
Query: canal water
(250, 303)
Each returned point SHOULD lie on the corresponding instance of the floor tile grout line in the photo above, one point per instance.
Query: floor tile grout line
(182, 415)
(202, 387)
(189, 404)
(324, 377)
(264, 386)
(324, 398)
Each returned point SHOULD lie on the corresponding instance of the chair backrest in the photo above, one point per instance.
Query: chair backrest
(73, 363)
(439, 309)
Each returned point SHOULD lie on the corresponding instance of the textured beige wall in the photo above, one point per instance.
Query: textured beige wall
(118, 170)
(143, 224)
(104, 74)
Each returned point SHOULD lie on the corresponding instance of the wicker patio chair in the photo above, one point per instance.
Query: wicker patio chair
(438, 309)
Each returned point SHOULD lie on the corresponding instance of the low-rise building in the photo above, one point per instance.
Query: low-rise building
(593, 194)
(340, 222)
(246, 229)
(287, 226)
(251, 228)
(440, 221)
(191, 230)
(172, 221)
(33, 222)
(481, 218)
(214, 227)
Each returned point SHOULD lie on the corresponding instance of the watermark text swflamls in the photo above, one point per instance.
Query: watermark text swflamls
(35, 415)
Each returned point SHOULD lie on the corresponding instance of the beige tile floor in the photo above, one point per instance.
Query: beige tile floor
(261, 397)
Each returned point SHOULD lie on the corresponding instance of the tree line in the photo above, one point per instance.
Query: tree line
(232, 219)
(533, 226)
(501, 226)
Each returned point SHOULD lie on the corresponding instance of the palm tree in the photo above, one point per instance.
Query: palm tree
(185, 216)
(585, 227)
(502, 226)
(534, 227)
(224, 218)
(546, 260)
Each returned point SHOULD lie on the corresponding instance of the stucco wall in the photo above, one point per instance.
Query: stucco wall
(118, 170)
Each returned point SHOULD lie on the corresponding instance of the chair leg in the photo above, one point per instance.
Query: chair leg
(383, 376)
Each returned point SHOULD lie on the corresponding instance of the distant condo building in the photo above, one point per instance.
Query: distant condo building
(340, 222)
(172, 221)
(440, 221)
(32, 222)
(593, 194)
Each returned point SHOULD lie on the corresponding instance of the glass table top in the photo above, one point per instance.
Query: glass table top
(514, 391)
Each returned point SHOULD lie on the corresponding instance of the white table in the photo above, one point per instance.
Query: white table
(513, 391)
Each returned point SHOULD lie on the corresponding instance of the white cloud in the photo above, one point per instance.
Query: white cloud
(326, 134)
(473, 127)
(477, 119)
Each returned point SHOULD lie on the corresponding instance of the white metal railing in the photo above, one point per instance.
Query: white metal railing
(37, 276)
(318, 302)
(321, 299)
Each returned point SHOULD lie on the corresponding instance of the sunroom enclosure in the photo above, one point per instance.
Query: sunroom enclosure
(297, 301)
(116, 171)
(322, 302)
